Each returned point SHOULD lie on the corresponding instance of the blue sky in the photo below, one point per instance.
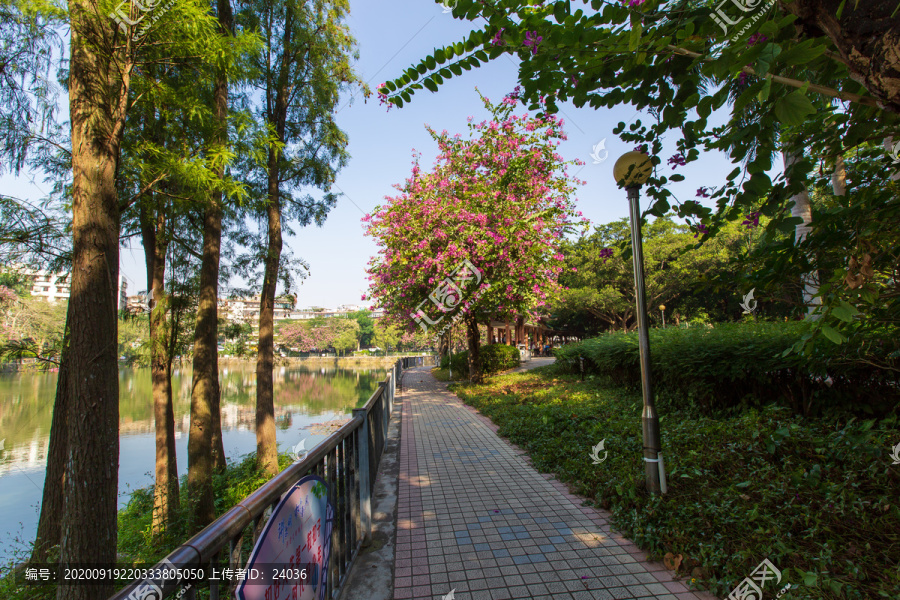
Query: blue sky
(393, 36)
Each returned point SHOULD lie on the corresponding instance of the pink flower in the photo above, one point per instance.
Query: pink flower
(752, 220)
(677, 160)
(532, 39)
(383, 97)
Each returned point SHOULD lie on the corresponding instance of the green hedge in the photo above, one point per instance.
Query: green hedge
(735, 364)
(494, 358)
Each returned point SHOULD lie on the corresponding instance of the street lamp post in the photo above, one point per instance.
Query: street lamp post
(662, 309)
(632, 170)
(450, 352)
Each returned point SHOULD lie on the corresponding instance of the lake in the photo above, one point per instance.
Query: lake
(304, 396)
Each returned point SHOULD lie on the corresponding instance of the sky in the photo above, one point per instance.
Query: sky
(393, 36)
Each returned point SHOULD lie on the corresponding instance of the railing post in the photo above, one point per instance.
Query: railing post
(365, 490)
(386, 406)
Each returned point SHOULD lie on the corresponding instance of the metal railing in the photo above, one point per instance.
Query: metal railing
(347, 460)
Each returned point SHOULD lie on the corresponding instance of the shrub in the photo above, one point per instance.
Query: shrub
(499, 357)
(494, 358)
(740, 364)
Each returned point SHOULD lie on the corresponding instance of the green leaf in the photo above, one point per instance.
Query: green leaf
(390, 85)
(840, 10)
(560, 12)
(758, 184)
(743, 484)
(842, 313)
(832, 335)
(794, 108)
(747, 96)
(430, 84)
(788, 225)
(440, 57)
(849, 307)
(430, 63)
(635, 37)
(764, 92)
(704, 108)
(802, 53)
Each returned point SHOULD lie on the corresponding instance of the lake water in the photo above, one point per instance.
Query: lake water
(304, 396)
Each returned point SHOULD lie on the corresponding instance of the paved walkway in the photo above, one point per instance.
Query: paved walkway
(475, 518)
(537, 361)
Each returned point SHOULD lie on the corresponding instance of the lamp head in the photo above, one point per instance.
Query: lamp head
(632, 169)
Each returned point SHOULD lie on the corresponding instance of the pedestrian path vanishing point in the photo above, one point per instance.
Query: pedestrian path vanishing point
(474, 517)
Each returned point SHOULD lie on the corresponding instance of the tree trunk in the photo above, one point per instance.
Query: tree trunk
(98, 92)
(276, 116)
(866, 37)
(803, 209)
(473, 336)
(49, 524)
(443, 346)
(205, 447)
(165, 489)
(266, 446)
(839, 177)
(205, 384)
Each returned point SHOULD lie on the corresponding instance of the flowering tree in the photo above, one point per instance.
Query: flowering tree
(308, 336)
(491, 215)
(778, 70)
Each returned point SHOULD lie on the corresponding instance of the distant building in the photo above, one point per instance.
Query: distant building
(137, 304)
(48, 285)
(240, 310)
(326, 313)
(56, 286)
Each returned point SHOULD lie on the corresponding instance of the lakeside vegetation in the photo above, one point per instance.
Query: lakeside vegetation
(137, 543)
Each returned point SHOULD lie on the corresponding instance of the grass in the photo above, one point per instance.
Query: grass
(444, 375)
(819, 498)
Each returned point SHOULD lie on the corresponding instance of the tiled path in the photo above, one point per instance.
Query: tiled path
(476, 518)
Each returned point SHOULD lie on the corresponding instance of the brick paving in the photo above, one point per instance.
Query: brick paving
(475, 517)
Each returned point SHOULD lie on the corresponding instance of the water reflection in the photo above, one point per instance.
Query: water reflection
(26, 403)
(303, 396)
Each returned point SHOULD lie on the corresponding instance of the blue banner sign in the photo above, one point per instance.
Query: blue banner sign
(290, 559)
